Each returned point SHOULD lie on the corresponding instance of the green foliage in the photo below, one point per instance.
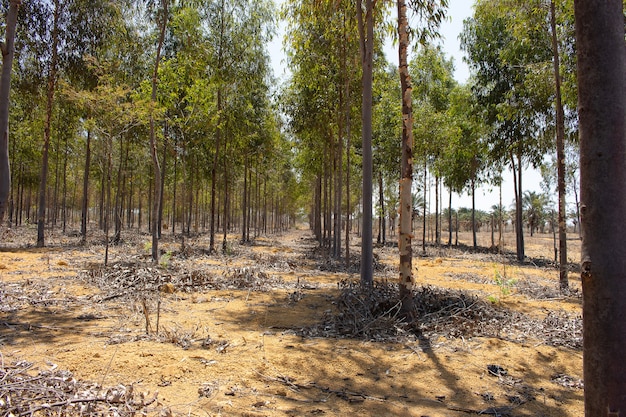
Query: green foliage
(164, 260)
(508, 49)
(505, 284)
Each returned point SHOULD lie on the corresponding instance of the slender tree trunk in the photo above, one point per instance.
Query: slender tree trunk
(218, 139)
(366, 35)
(244, 206)
(437, 223)
(163, 171)
(107, 209)
(348, 171)
(43, 176)
(500, 220)
(519, 222)
(338, 191)
(174, 186)
(406, 279)
(450, 219)
(601, 53)
(424, 210)
(5, 88)
(474, 213)
(318, 210)
(156, 202)
(118, 195)
(53, 213)
(560, 156)
(64, 185)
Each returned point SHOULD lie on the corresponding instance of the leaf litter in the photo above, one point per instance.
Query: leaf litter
(365, 315)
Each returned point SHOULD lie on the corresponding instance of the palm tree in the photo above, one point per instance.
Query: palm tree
(534, 206)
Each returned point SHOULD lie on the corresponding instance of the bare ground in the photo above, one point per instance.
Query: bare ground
(277, 328)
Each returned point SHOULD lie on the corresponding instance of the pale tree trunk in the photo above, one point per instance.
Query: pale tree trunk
(601, 53)
(437, 223)
(474, 213)
(43, 176)
(5, 88)
(366, 34)
(424, 209)
(156, 202)
(450, 219)
(560, 156)
(406, 279)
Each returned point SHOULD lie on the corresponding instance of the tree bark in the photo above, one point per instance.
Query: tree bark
(560, 155)
(601, 53)
(406, 280)
(474, 213)
(366, 35)
(5, 88)
(450, 219)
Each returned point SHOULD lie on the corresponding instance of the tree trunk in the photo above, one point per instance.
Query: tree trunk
(450, 219)
(381, 212)
(601, 53)
(107, 207)
(218, 139)
(519, 222)
(560, 156)
(348, 144)
(117, 237)
(474, 213)
(406, 280)
(366, 35)
(174, 186)
(437, 223)
(424, 210)
(5, 88)
(156, 202)
(64, 185)
(43, 176)
(244, 206)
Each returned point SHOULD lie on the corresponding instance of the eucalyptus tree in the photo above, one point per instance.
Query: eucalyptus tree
(365, 12)
(512, 73)
(552, 19)
(465, 161)
(236, 29)
(8, 50)
(386, 135)
(161, 23)
(319, 103)
(430, 14)
(433, 81)
(55, 48)
(601, 53)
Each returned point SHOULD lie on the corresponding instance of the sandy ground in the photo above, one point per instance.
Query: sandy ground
(240, 352)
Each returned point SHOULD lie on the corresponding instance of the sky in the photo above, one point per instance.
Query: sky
(459, 10)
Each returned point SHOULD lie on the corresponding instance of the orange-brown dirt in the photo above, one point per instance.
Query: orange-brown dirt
(243, 352)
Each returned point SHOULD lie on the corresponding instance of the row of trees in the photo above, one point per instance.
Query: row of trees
(131, 114)
(122, 91)
(167, 104)
(521, 96)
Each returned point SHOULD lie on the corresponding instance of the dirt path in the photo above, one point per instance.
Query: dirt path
(232, 333)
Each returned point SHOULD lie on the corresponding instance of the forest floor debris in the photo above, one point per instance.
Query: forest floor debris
(278, 327)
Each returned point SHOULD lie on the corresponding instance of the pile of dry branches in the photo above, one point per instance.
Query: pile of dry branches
(374, 314)
(132, 278)
(56, 392)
